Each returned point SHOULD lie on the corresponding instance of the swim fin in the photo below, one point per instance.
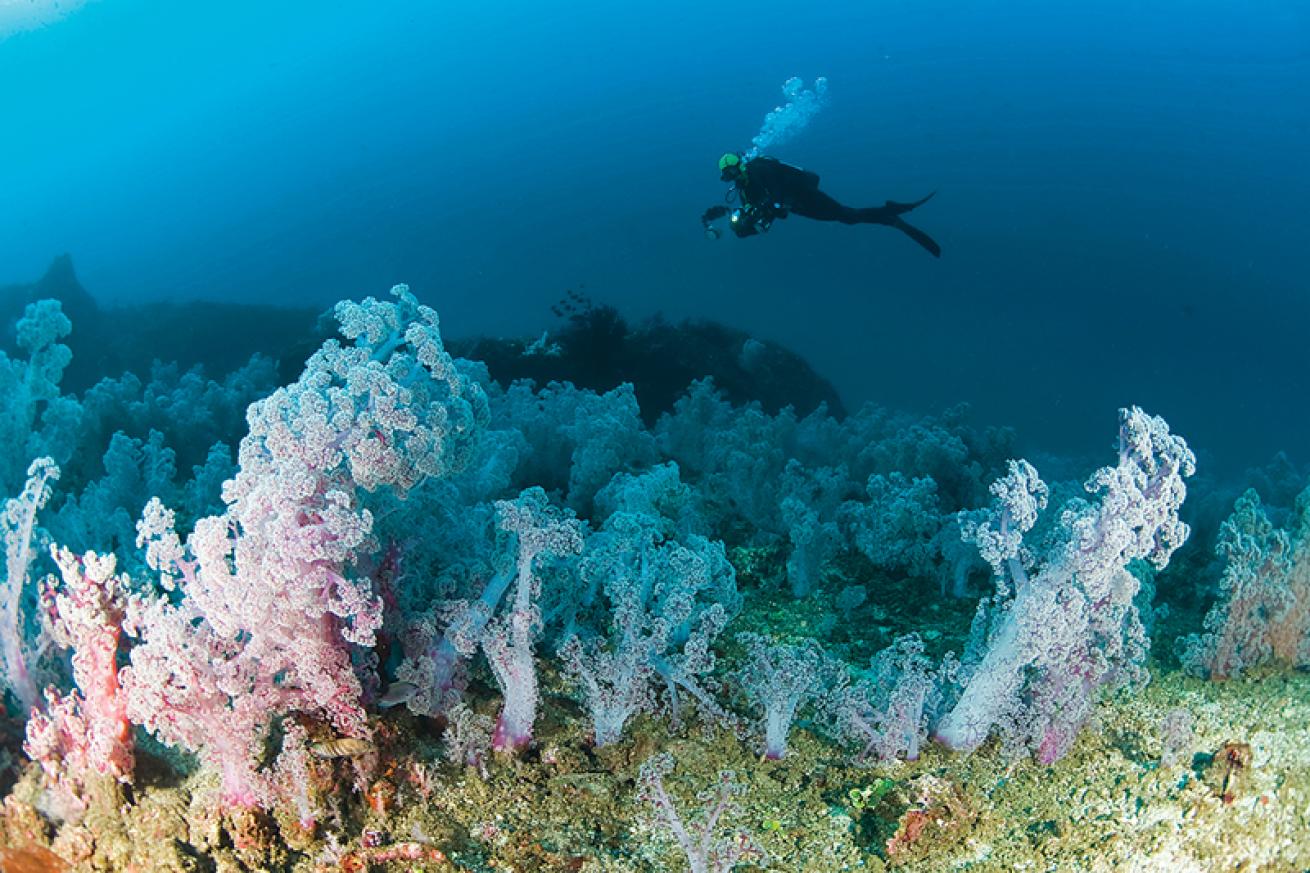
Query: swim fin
(895, 208)
(915, 234)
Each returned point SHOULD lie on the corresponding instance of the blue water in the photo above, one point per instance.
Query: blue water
(1122, 186)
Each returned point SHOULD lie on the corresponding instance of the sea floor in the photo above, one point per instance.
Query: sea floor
(1237, 798)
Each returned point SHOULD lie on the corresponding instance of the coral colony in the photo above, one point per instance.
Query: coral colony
(401, 540)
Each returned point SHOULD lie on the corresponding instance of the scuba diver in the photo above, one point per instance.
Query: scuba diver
(768, 189)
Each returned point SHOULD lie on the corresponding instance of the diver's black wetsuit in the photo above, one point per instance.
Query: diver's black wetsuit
(773, 189)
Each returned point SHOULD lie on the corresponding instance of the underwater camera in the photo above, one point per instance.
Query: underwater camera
(745, 222)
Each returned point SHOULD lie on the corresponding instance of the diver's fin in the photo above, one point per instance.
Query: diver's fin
(901, 208)
(917, 235)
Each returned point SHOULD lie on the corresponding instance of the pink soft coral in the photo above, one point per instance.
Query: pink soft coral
(274, 594)
(86, 731)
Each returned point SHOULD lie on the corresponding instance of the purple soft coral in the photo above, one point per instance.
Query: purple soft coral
(1064, 623)
(885, 712)
(706, 851)
(539, 531)
(1263, 612)
(19, 531)
(781, 678)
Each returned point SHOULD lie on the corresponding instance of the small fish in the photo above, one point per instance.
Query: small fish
(396, 694)
(341, 747)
